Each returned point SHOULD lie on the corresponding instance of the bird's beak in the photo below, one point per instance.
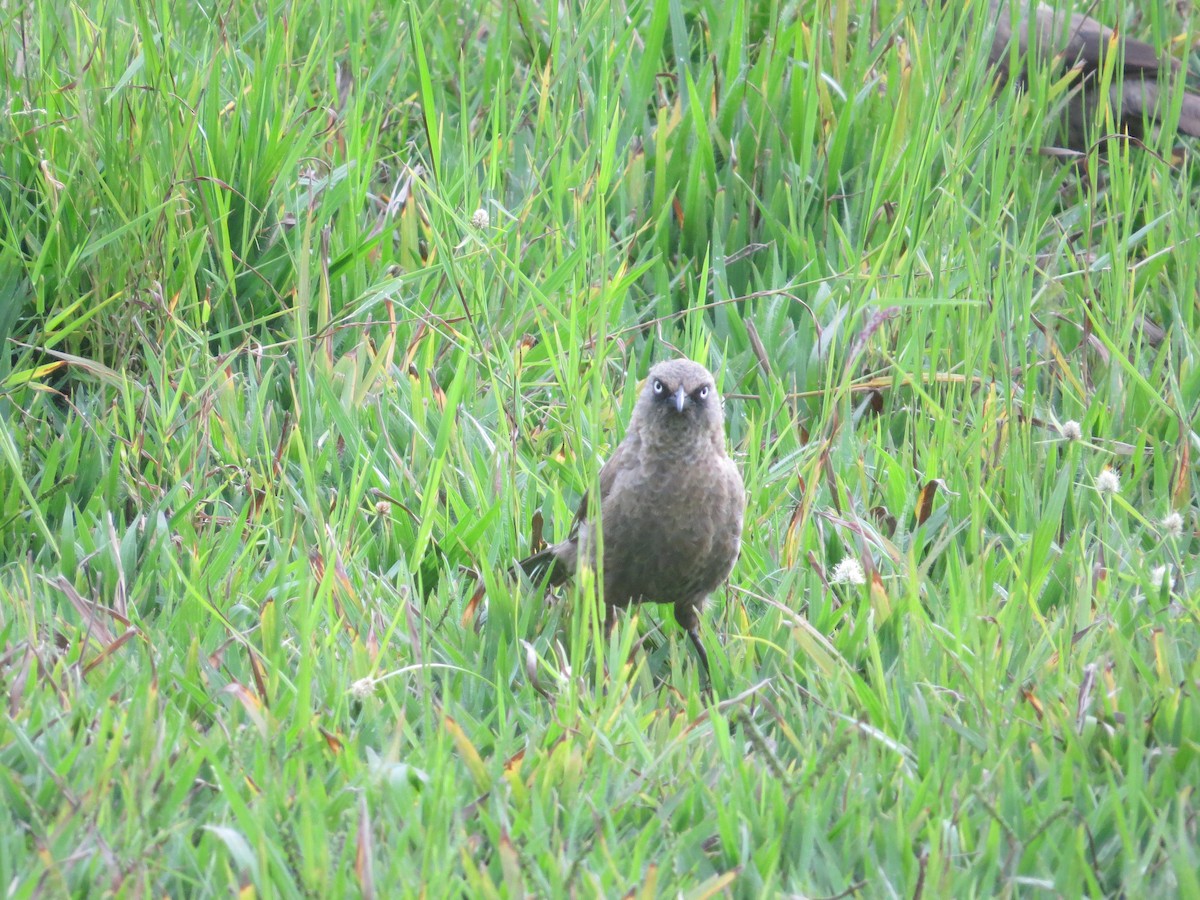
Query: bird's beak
(680, 399)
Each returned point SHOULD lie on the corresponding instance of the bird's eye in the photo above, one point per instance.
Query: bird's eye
(658, 386)
(703, 393)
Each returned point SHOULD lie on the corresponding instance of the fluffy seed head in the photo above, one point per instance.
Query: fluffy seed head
(848, 571)
(1172, 525)
(1108, 482)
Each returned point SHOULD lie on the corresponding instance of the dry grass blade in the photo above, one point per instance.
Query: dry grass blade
(93, 614)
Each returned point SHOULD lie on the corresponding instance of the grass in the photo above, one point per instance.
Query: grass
(276, 400)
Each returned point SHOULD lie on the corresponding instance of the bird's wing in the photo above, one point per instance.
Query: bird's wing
(1079, 40)
(608, 477)
(1140, 98)
(608, 471)
(1088, 41)
(1189, 114)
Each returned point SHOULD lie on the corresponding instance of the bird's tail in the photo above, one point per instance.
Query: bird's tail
(543, 565)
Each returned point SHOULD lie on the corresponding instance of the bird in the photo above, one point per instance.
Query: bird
(671, 505)
(1141, 88)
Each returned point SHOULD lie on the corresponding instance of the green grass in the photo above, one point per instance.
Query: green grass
(273, 405)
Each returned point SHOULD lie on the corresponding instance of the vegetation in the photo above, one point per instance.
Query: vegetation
(315, 317)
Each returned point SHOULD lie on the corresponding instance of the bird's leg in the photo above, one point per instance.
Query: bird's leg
(610, 619)
(689, 619)
(694, 634)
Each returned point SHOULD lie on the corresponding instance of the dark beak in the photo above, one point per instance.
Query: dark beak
(680, 399)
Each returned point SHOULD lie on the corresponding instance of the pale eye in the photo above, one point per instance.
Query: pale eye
(658, 386)
(703, 393)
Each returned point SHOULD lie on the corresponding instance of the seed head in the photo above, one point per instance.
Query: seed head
(1108, 482)
(1172, 525)
(848, 571)
(1160, 575)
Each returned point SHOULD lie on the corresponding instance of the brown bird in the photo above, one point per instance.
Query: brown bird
(671, 505)
(1141, 87)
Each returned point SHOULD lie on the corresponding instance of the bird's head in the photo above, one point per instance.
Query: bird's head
(680, 396)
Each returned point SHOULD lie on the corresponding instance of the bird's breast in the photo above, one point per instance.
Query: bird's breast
(671, 530)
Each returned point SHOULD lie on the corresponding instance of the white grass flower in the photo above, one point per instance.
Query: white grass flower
(1108, 482)
(848, 571)
(1172, 525)
(1159, 576)
(363, 688)
(480, 219)
(1070, 430)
